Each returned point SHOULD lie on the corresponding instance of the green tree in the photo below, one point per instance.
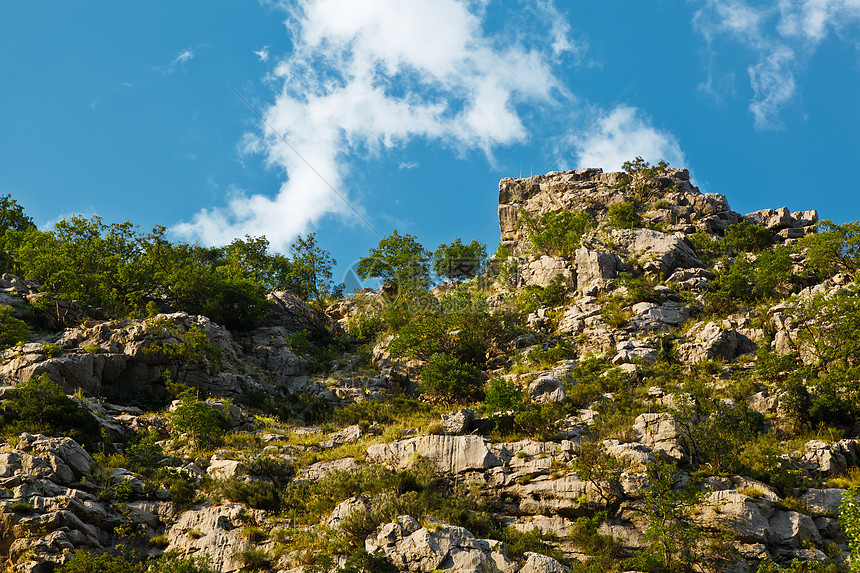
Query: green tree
(835, 248)
(13, 222)
(400, 261)
(98, 265)
(676, 542)
(640, 166)
(456, 261)
(310, 276)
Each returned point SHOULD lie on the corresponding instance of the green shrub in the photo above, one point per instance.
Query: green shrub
(12, 330)
(555, 293)
(144, 452)
(172, 563)
(181, 484)
(503, 396)
(198, 422)
(624, 215)
(638, 166)
(22, 507)
(744, 237)
(39, 406)
(556, 233)
(257, 494)
(88, 562)
(544, 357)
(51, 349)
(835, 248)
(450, 380)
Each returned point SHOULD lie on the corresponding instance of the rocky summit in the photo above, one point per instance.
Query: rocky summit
(639, 379)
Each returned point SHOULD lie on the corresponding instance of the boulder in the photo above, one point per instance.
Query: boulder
(458, 422)
(541, 271)
(772, 219)
(665, 252)
(746, 517)
(650, 317)
(822, 502)
(793, 529)
(659, 432)
(214, 532)
(442, 547)
(537, 563)
(448, 454)
(592, 267)
(711, 342)
(547, 389)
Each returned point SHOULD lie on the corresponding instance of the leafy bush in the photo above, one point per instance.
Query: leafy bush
(503, 396)
(556, 233)
(144, 452)
(172, 563)
(450, 380)
(555, 293)
(12, 330)
(744, 237)
(39, 406)
(198, 422)
(89, 562)
(638, 166)
(624, 215)
(181, 484)
(469, 336)
(544, 357)
(257, 494)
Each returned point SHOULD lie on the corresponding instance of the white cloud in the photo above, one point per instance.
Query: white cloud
(178, 61)
(623, 135)
(365, 77)
(408, 165)
(783, 35)
(263, 54)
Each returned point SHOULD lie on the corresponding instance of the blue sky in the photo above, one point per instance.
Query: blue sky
(412, 111)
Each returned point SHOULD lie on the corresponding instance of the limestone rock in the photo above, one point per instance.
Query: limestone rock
(411, 547)
(448, 454)
(746, 517)
(567, 495)
(214, 531)
(711, 342)
(792, 528)
(666, 252)
(650, 317)
(542, 270)
(537, 563)
(458, 422)
(592, 267)
(547, 389)
(822, 502)
(659, 432)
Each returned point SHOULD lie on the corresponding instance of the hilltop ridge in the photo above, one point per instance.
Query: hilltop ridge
(639, 379)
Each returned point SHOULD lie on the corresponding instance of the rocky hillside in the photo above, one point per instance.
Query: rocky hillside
(640, 379)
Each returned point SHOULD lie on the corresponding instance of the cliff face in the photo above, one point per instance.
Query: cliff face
(664, 386)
